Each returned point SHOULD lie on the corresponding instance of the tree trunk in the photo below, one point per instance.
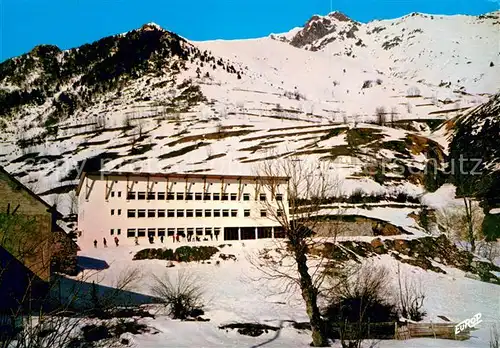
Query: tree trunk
(310, 296)
(470, 225)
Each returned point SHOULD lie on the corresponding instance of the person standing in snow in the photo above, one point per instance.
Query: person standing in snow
(116, 240)
(95, 243)
(104, 242)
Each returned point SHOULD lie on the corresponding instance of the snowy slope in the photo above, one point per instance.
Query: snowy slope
(235, 294)
(458, 50)
(223, 106)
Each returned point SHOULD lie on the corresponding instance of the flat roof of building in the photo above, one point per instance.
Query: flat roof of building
(105, 174)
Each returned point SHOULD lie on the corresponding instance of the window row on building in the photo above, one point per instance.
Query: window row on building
(192, 196)
(162, 232)
(180, 213)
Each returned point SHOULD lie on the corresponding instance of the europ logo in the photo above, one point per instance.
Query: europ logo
(468, 323)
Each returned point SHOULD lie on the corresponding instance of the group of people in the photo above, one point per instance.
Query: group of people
(105, 242)
(175, 238)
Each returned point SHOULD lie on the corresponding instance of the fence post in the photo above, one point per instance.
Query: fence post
(395, 330)
(368, 328)
(432, 328)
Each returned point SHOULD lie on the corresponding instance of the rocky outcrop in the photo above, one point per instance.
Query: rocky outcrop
(318, 27)
(355, 226)
(429, 253)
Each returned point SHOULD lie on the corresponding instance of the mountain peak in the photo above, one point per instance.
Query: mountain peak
(339, 16)
(152, 26)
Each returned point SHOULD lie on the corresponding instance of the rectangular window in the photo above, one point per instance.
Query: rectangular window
(180, 213)
(208, 213)
(225, 196)
(198, 213)
(151, 232)
(180, 232)
(279, 197)
(112, 193)
(151, 196)
(198, 196)
(190, 231)
(217, 231)
(208, 231)
(199, 231)
(119, 194)
(131, 195)
(279, 213)
(216, 213)
(112, 212)
(111, 231)
(262, 197)
(189, 196)
(189, 213)
(161, 232)
(216, 197)
(246, 196)
(131, 213)
(207, 196)
(171, 213)
(161, 213)
(151, 213)
(234, 212)
(263, 213)
(161, 196)
(119, 212)
(141, 232)
(180, 196)
(170, 196)
(141, 213)
(225, 213)
(246, 213)
(171, 231)
(131, 232)
(234, 196)
(141, 196)
(119, 231)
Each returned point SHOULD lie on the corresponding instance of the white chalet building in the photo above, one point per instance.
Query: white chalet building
(196, 207)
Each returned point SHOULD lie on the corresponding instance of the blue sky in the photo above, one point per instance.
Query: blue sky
(69, 23)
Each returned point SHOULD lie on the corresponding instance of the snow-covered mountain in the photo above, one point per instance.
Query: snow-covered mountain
(151, 100)
(458, 51)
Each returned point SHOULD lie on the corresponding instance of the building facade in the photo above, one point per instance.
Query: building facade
(31, 243)
(196, 207)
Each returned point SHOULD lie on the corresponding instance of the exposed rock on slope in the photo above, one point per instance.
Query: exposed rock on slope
(475, 158)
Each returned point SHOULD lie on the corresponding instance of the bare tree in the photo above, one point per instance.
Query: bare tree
(354, 292)
(356, 119)
(381, 115)
(408, 107)
(462, 224)
(394, 115)
(308, 188)
(210, 151)
(140, 127)
(182, 296)
(494, 337)
(73, 203)
(127, 121)
(55, 201)
(490, 250)
(411, 297)
(413, 92)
